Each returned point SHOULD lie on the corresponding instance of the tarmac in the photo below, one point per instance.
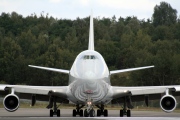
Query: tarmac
(66, 114)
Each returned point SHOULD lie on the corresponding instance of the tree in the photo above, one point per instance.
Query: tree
(163, 32)
(9, 62)
(164, 14)
(125, 43)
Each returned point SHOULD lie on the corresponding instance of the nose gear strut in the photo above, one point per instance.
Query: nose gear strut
(89, 111)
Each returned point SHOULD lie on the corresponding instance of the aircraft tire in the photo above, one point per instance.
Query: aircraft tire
(105, 113)
(51, 113)
(92, 113)
(98, 112)
(121, 113)
(81, 113)
(58, 113)
(85, 113)
(74, 113)
(128, 113)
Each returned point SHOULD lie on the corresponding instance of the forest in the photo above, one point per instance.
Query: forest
(123, 42)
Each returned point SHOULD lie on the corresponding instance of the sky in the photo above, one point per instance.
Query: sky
(71, 9)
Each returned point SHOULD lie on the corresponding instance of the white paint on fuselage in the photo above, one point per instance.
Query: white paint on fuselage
(89, 75)
(89, 64)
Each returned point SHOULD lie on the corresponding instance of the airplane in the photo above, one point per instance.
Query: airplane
(89, 86)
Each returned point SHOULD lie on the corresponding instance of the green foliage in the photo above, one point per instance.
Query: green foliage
(123, 42)
(164, 14)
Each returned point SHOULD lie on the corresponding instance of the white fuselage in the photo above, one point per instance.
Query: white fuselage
(89, 77)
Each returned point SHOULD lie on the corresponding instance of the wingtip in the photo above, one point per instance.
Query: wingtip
(30, 65)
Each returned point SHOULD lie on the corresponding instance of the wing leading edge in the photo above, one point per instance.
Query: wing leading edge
(41, 90)
(129, 69)
(51, 69)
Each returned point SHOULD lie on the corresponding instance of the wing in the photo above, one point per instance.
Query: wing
(42, 92)
(51, 69)
(163, 93)
(144, 91)
(129, 69)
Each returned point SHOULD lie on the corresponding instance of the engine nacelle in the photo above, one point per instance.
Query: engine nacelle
(11, 102)
(168, 103)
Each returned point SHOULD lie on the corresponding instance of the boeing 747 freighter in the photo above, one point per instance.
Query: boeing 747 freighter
(89, 86)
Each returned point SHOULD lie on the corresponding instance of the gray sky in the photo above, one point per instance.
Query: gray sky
(71, 9)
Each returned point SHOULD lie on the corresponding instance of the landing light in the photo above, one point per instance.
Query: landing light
(125, 91)
(89, 103)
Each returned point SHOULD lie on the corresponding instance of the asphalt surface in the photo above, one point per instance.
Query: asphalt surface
(66, 114)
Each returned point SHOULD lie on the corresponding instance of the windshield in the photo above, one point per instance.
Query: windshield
(89, 57)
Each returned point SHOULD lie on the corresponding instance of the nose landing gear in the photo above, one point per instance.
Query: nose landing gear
(89, 111)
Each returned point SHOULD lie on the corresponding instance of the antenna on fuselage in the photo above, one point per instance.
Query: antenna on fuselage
(91, 33)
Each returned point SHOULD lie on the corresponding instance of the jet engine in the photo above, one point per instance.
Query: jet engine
(11, 102)
(168, 103)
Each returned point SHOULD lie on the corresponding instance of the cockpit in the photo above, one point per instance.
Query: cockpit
(85, 57)
(89, 65)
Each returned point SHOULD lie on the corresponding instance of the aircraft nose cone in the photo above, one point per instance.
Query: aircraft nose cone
(89, 75)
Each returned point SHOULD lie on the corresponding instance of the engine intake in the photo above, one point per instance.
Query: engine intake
(168, 103)
(11, 102)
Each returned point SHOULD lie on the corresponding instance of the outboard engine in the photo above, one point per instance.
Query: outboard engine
(168, 103)
(11, 102)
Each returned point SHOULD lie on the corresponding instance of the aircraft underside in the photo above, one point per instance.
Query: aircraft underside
(87, 109)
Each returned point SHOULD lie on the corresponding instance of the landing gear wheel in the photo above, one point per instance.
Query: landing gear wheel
(105, 113)
(128, 113)
(101, 110)
(92, 113)
(58, 113)
(78, 111)
(98, 112)
(121, 113)
(85, 113)
(74, 113)
(127, 104)
(81, 113)
(51, 113)
(52, 104)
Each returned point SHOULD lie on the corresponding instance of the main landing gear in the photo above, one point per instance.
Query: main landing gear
(78, 111)
(124, 111)
(53, 104)
(102, 111)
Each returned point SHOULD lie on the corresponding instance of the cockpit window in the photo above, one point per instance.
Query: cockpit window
(89, 57)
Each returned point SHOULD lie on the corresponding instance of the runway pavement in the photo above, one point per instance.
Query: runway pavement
(66, 114)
